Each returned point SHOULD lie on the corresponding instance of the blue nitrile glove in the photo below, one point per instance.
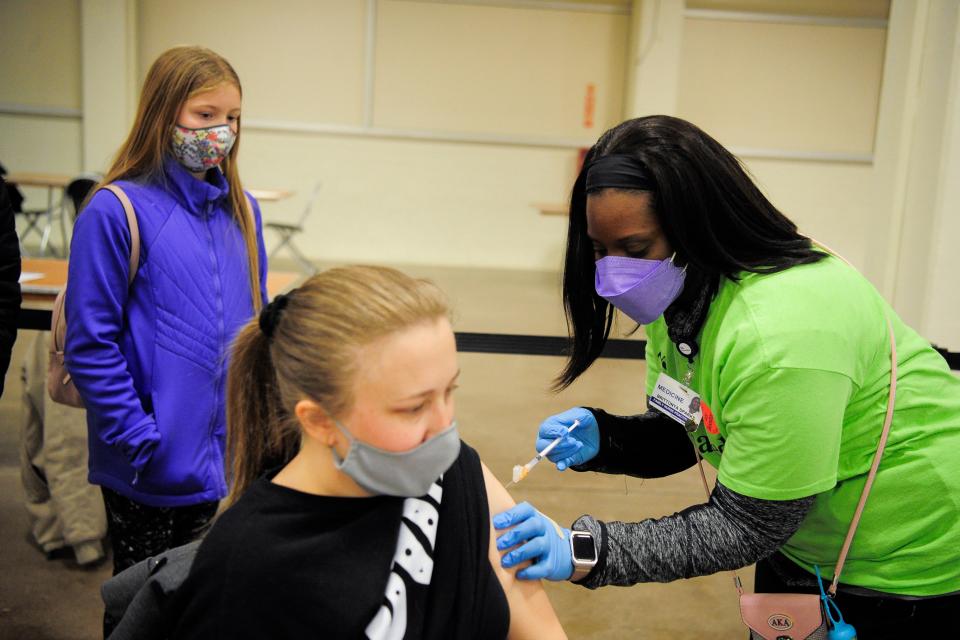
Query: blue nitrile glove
(542, 540)
(582, 444)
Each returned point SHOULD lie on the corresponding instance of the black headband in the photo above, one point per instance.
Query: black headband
(270, 315)
(617, 171)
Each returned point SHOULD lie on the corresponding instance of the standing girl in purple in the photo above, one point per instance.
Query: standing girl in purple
(150, 359)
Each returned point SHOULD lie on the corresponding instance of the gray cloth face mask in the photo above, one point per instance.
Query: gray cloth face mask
(407, 474)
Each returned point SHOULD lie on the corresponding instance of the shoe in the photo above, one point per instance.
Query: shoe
(88, 553)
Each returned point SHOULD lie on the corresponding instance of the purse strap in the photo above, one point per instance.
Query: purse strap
(891, 401)
(852, 530)
(134, 229)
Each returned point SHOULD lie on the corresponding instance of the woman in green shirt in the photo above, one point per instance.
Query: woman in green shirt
(786, 349)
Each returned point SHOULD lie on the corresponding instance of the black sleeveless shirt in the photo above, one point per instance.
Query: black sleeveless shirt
(285, 564)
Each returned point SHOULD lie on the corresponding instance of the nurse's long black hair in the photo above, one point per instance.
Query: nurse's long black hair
(711, 212)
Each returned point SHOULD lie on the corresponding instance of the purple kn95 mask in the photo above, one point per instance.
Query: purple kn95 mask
(640, 288)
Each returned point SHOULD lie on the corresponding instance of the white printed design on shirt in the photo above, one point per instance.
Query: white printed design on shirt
(414, 558)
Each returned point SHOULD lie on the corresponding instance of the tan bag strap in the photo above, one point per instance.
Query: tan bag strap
(134, 229)
(891, 401)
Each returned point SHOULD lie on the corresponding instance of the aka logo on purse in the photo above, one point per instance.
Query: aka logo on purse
(780, 622)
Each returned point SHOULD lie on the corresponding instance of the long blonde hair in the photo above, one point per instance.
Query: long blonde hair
(174, 77)
(312, 353)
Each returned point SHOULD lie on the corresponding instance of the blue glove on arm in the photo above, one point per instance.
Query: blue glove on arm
(541, 540)
(580, 445)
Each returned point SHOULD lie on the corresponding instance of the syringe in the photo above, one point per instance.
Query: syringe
(520, 471)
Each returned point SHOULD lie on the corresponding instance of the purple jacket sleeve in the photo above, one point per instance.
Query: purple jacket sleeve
(95, 301)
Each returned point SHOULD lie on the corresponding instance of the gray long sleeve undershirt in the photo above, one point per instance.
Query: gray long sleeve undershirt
(730, 531)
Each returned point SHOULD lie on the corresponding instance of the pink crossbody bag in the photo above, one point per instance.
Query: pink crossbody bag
(799, 616)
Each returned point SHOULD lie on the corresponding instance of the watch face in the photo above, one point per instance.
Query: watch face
(583, 547)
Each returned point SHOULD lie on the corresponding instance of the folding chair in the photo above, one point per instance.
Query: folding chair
(287, 231)
(32, 217)
(40, 222)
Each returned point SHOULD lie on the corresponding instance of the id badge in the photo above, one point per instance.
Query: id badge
(677, 401)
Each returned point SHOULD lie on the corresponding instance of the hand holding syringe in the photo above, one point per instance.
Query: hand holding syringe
(520, 471)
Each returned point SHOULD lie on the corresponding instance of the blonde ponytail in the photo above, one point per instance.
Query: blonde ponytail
(260, 434)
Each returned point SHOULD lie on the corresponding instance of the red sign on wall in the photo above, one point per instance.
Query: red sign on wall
(589, 105)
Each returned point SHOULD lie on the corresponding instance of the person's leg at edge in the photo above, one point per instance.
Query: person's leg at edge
(192, 522)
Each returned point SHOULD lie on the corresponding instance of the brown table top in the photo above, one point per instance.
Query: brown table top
(552, 208)
(50, 180)
(37, 179)
(270, 195)
(41, 292)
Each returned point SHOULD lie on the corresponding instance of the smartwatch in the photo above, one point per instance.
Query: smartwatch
(583, 551)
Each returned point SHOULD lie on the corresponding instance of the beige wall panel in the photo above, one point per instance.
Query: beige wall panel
(49, 145)
(832, 202)
(40, 52)
(45, 145)
(298, 60)
(498, 70)
(415, 202)
(782, 86)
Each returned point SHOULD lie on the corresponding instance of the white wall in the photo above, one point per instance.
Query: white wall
(40, 93)
(298, 60)
(795, 86)
(843, 124)
(512, 80)
(798, 101)
(927, 264)
(415, 202)
(942, 319)
(39, 46)
(435, 127)
(499, 70)
(918, 106)
(110, 87)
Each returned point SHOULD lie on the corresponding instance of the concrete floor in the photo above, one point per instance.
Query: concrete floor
(502, 399)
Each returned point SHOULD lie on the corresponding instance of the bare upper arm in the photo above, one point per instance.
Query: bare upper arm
(531, 614)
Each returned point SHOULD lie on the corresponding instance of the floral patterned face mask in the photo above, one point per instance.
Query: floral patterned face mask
(201, 149)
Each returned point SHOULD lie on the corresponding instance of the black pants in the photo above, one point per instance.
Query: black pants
(874, 617)
(138, 531)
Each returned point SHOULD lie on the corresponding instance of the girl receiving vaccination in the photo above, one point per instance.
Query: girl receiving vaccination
(356, 511)
(148, 354)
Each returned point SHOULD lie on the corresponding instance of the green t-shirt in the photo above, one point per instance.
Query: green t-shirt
(794, 371)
